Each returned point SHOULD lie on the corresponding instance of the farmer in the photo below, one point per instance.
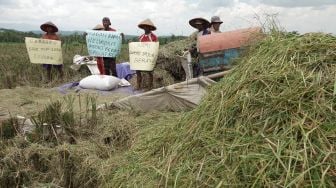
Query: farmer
(100, 61)
(50, 34)
(215, 24)
(148, 26)
(109, 62)
(202, 25)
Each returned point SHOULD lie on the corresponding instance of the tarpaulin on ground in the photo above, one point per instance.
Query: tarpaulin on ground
(177, 97)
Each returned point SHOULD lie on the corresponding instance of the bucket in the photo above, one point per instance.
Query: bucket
(187, 64)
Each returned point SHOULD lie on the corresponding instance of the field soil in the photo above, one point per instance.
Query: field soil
(27, 101)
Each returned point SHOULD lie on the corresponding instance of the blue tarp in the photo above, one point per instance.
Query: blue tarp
(124, 71)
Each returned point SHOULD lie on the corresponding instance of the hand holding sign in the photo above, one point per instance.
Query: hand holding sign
(143, 55)
(44, 51)
(103, 43)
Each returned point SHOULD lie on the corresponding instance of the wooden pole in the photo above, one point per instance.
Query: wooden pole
(219, 74)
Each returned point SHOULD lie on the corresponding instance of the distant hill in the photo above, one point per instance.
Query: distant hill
(10, 35)
(63, 33)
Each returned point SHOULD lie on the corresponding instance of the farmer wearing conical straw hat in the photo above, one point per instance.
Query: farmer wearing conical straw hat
(202, 25)
(51, 29)
(148, 26)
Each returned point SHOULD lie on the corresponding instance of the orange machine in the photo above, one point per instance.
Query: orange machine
(218, 49)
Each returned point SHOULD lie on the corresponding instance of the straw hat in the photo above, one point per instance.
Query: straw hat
(98, 27)
(44, 26)
(216, 19)
(198, 21)
(147, 22)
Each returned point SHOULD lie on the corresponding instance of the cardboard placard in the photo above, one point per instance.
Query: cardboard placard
(103, 43)
(44, 51)
(143, 55)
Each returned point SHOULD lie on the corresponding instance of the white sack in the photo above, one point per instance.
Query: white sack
(100, 82)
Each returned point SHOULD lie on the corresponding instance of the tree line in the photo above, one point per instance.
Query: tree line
(10, 35)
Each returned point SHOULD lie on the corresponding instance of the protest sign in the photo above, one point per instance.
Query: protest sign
(103, 43)
(143, 55)
(44, 51)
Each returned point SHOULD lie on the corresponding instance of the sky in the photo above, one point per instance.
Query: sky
(169, 16)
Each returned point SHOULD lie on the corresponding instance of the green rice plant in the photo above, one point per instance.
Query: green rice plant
(91, 110)
(69, 112)
(47, 123)
(16, 69)
(9, 128)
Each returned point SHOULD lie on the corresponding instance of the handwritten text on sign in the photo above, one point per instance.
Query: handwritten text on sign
(103, 43)
(44, 51)
(143, 55)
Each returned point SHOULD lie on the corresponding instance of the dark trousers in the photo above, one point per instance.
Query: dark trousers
(110, 66)
(197, 70)
(139, 79)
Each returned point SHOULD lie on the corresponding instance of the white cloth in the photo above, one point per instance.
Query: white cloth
(90, 62)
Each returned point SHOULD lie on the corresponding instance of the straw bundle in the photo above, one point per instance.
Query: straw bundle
(270, 123)
(169, 60)
(38, 161)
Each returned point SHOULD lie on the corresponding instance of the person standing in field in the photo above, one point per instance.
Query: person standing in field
(100, 61)
(202, 25)
(51, 30)
(215, 24)
(148, 26)
(109, 62)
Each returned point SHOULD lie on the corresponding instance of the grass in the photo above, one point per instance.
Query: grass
(92, 145)
(16, 70)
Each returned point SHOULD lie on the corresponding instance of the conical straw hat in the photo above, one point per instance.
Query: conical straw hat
(147, 22)
(98, 27)
(44, 26)
(198, 21)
